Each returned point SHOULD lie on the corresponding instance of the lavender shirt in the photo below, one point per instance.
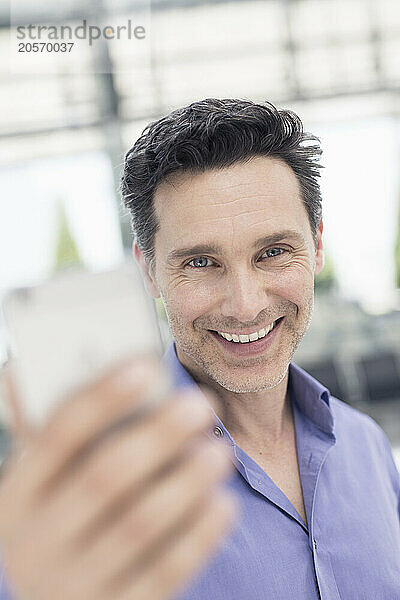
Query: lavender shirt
(350, 549)
(351, 487)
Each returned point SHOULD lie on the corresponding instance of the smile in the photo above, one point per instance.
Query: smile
(247, 344)
(245, 338)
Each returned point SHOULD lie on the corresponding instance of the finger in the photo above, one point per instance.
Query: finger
(123, 462)
(74, 424)
(157, 513)
(182, 557)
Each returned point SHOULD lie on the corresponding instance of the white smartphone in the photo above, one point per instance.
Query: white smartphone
(69, 330)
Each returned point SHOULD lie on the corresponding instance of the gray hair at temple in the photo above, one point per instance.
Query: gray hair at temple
(213, 134)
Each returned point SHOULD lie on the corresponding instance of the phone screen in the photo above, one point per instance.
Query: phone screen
(69, 330)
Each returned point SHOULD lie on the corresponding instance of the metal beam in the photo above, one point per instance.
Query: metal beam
(164, 109)
(128, 7)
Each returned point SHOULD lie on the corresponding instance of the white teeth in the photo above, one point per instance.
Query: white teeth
(245, 338)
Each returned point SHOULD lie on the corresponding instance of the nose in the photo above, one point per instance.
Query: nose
(244, 296)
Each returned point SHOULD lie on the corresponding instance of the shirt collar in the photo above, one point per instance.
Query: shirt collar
(312, 398)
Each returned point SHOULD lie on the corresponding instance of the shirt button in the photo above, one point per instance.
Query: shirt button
(218, 432)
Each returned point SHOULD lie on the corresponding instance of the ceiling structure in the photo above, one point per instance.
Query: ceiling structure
(326, 59)
(287, 51)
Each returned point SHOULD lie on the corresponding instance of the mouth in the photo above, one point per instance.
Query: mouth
(246, 344)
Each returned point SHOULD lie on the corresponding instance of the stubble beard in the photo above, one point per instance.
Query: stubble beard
(263, 375)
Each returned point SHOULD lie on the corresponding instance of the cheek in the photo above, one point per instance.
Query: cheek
(190, 298)
(293, 284)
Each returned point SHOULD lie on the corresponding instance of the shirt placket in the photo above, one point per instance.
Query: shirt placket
(313, 447)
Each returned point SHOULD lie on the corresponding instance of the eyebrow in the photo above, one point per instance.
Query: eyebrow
(266, 240)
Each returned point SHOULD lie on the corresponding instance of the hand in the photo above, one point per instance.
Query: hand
(128, 514)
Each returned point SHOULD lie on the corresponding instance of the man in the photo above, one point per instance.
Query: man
(226, 211)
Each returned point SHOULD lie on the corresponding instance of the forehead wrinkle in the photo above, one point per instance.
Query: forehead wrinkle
(249, 212)
(187, 182)
(189, 188)
(200, 198)
(232, 217)
(260, 196)
(262, 222)
(263, 226)
(218, 207)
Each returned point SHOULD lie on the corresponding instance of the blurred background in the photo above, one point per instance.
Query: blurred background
(66, 121)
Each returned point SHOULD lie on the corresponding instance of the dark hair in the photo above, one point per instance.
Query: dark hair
(212, 134)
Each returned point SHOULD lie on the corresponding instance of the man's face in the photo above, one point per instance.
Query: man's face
(255, 264)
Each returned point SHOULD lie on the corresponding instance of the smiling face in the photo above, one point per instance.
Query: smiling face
(234, 253)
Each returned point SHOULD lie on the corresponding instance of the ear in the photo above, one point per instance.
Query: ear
(148, 277)
(319, 256)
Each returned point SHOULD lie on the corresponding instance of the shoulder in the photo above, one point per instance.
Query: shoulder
(352, 415)
(350, 419)
(363, 430)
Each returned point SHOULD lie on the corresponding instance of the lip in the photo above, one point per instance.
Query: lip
(249, 348)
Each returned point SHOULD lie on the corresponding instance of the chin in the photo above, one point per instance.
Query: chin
(250, 388)
(244, 381)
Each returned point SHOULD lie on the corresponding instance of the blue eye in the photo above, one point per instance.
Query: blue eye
(273, 252)
(202, 260)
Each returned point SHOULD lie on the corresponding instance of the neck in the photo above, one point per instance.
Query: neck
(258, 420)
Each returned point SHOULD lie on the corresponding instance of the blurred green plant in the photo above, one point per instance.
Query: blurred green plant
(161, 309)
(325, 281)
(67, 253)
